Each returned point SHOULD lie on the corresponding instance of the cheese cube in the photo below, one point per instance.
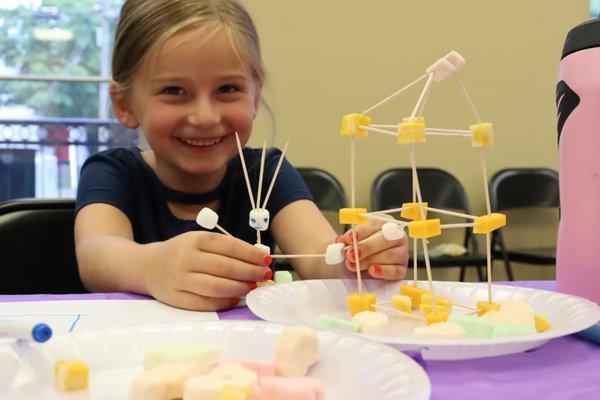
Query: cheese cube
(483, 134)
(351, 216)
(485, 306)
(351, 123)
(542, 323)
(71, 375)
(402, 303)
(425, 229)
(412, 211)
(411, 131)
(414, 292)
(442, 303)
(361, 302)
(489, 223)
(436, 316)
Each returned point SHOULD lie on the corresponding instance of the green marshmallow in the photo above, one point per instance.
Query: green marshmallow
(283, 277)
(181, 353)
(475, 326)
(327, 322)
(509, 330)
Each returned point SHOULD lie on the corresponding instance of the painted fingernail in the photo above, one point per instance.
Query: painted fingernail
(339, 238)
(252, 285)
(352, 266)
(268, 275)
(377, 269)
(350, 256)
(268, 259)
(234, 302)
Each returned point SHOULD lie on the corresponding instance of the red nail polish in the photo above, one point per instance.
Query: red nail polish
(234, 302)
(268, 275)
(351, 256)
(268, 259)
(252, 285)
(377, 269)
(352, 266)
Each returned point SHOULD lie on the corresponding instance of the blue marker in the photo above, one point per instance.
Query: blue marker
(38, 332)
(591, 334)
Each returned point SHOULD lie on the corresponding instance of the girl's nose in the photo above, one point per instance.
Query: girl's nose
(204, 113)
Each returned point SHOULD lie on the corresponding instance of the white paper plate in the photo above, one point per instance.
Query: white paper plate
(301, 302)
(350, 367)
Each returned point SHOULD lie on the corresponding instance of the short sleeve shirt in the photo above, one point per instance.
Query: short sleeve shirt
(120, 177)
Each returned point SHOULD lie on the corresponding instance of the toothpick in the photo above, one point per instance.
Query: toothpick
(466, 132)
(427, 133)
(219, 227)
(377, 218)
(451, 226)
(403, 313)
(298, 255)
(422, 97)
(488, 248)
(258, 237)
(456, 214)
(466, 94)
(394, 94)
(377, 130)
(262, 171)
(239, 146)
(275, 174)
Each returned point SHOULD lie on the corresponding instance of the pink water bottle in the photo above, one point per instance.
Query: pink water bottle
(578, 102)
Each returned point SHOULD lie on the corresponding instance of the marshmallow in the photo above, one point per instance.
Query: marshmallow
(200, 355)
(516, 307)
(302, 388)
(371, 321)
(205, 387)
(259, 219)
(164, 382)
(504, 317)
(474, 326)
(327, 322)
(440, 330)
(264, 248)
(392, 231)
(510, 330)
(236, 375)
(335, 254)
(207, 218)
(260, 368)
(283, 277)
(455, 59)
(297, 349)
(441, 69)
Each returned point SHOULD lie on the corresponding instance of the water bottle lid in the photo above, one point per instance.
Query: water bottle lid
(583, 36)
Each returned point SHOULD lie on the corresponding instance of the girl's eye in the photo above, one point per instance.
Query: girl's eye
(173, 90)
(228, 89)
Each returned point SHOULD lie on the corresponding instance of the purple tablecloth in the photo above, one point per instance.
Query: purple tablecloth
(562, 369)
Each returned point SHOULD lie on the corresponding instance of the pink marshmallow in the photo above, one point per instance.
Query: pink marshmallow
(260, 368)
(299, 388)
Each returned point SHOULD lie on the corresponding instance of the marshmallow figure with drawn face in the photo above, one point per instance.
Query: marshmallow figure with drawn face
(259, 219)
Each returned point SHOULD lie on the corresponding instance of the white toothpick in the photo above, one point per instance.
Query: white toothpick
(394, 94)
(428, 133)
(275, 174)
(298, 255)
(262, 171)
(239, 146)
(455, 214)
(219, 227)
(466, 94)
(422, 97)
(377, 130)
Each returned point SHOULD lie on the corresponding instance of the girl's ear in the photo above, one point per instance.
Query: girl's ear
(122, 107)
(257, 100)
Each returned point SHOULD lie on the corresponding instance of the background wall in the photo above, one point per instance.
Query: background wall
(334, 57)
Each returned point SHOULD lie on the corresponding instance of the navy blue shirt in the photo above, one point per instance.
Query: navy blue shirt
(120, 177)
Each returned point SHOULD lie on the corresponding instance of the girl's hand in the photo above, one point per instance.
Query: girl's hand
(383, 259)
(204, 271)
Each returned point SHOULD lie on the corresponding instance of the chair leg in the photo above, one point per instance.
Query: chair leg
(505, 258)
(463, 270)
(479, 273)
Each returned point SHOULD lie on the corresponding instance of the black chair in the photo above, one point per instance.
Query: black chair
(440, 190)
(37, 247)
(326, 190)
(515, 188)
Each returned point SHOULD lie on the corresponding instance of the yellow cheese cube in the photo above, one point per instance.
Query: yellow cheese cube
(542, 323)
(414, 292)
(425, 229)
(485, 306)
(442, 303)
(483, 134)
(234, 393)
(412, 211)
(489, 223)
(351, 216)
(436, 316)
(361, 302)
(351, 123)
(70, 375)
(402, 303)
(411, 131)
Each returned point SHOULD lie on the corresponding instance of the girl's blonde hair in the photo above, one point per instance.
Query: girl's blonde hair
(145, 25)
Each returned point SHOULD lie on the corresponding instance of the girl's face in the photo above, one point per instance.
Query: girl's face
(190, 103)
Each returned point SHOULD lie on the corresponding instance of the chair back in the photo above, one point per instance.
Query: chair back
(439, 189)
(524, 187)
(326, 190)
(37, 247)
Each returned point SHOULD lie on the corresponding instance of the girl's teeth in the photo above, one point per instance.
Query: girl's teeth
(201, 142)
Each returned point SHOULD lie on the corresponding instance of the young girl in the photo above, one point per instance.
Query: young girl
(189, 74)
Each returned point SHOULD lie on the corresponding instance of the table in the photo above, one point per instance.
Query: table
(564, 368)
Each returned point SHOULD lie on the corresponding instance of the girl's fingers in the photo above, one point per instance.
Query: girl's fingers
(231, 247)
(215, 286)
(362, 231)
(391, 272)
(372, 245)
(194, 302)
(394, 255)
(227, 267)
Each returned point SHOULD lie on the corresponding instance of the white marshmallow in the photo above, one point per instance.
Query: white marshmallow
(455, 59)
(371, 321)
(205, 387)
(516, 307)
(264, 248)
(297, 350)
(181, 353)
(164, 382)
(207, 218)
(392, 231)
(259, 219)
(508, 318)
(440, 330)
(441, 70)
(335, 254)
(235, 374)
